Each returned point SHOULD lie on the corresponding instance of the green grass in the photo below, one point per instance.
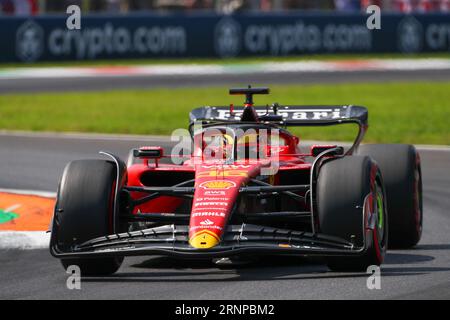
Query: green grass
(247, 60)
(416, 112)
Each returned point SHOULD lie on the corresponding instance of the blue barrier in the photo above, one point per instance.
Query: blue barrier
(146, 36)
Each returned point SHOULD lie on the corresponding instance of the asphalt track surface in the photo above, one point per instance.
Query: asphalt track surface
(33, 162)
(157, 81)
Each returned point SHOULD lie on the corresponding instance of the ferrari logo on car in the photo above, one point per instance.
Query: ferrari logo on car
(217, 185)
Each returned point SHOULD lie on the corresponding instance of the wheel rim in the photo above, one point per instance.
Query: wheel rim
(381, 217)
(380, 211)
(418, 199)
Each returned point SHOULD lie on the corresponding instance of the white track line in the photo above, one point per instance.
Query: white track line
(217, 69)
(24, 240)
(424, 147)
(45, 194)
(85, 136)
(427, 147)
(12, 208)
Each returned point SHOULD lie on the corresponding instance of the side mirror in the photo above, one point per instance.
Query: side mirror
(148, 152)
(318, 149)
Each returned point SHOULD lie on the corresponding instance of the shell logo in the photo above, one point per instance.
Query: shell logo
(217, 184)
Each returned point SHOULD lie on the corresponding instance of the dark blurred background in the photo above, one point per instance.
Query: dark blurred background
(39, 7)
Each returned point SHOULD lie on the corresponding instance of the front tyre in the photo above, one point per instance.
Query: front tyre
(84, 210)
(351, 205)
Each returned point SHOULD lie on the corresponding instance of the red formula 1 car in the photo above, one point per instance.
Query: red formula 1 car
(245, 189)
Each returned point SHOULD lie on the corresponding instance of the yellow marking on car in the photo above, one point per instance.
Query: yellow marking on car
(204, 239)
(223, 173)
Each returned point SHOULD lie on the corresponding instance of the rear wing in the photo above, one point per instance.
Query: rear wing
(288, 116)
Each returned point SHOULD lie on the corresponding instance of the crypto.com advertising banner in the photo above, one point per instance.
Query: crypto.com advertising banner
(146, 36)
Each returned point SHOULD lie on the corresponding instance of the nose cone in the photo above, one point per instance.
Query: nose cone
(204, 240)
(216, 190)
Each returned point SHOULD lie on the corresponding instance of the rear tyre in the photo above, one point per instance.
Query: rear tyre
(84, 210)
(342, 188)
(400, 166)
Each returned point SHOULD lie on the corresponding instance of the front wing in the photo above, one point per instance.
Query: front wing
(245, 239)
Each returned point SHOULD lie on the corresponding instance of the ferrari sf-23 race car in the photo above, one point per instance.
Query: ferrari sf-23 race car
(245, 190)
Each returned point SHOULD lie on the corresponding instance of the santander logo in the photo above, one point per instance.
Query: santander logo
(206, 222)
